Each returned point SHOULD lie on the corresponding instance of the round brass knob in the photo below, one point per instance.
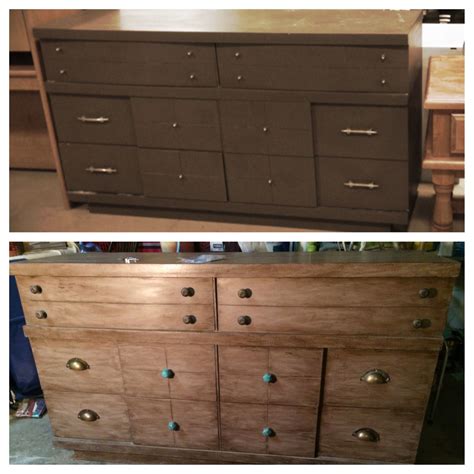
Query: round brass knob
(383, 57)
(427, 293)
(189, 319)
(192, 76)
(187, 292)
(383, 82)
(265, 129)
(239, 78)
(77, 364)
(41, 314)
(36, 289)
(189, 54)
(237, 54)
(245, 293)
(244, 320)
(88, 415)
(366, 434)
(62, 72)
(180, 176)
(58, 49)
(375, 376)
(175, 124)
(421, 323)
(270, 181)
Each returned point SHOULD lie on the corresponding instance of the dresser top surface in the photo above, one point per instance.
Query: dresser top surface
(283, 264)
(314, 26)
(445, 88)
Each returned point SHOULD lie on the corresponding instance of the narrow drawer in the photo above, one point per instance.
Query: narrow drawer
(84, 366)
(280, 128)
(117, 290)
(169, 371)
(110, 411)
(183, 174)
(176, 423)
(246, 427)
(101, 168)
(457, 133)
(185, 124)
(375, 321)
(379, 379)
(358, 131)
(327, 292)
(275, 376)
(153, 64)
(393, 435)
(171, 317)
(85, 119)
(363, 184)
(264, 179)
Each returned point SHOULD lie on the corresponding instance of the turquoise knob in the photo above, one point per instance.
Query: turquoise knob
(269, 378)
(167, 373)
(268, 432)
(173, 426)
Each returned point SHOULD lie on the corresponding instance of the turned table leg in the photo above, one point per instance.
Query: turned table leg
(443, 210)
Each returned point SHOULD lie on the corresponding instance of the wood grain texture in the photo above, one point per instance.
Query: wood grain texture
(411, 375)
(120, 315)
(63, 408)
(399, 434)
(103, 376)
(18, 35)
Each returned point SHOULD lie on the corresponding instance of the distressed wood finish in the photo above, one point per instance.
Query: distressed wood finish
(257, 135)
(282, 387)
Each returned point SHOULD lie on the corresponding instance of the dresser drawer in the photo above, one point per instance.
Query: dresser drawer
(379, 379)
(85, 119)
(275, 376)
(183, 174)
(247, 428)
(264, 179)
(280, 128)
(177, 423)
(177, 123)
(85, 366)
(398, 434)
(117, 290)
(357, 131)
(153, 64)
(170, 371)
(100, 168)
(363, 184)
(172, 317)
(64, 409)
(325, 68)
(376, 321)
(428, 292)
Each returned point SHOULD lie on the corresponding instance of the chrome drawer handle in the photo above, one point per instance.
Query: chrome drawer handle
(91, 169)
(351, 184)
(350, 131)
(85, 119)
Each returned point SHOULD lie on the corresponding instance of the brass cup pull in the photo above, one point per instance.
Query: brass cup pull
(366, 434)
(244, 320)
(88, 415)
(375, 376)
(351, 184)
(85, 119)
(421, 323)
(349, 131)
(77, 364)
(189, 319)
(187, 292)
(427, 293)
(245, 293)
(36, 289)
(41, 314)
(94, 170)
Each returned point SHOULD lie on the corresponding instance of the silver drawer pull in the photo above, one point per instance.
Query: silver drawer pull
(351, 184)
(350, 131)
(84, 119)
(91, 169)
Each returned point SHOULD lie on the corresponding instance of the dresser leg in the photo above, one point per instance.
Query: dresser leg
(443, 211)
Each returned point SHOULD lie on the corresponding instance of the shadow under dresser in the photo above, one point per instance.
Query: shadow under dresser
(289, 117)
(271, 358)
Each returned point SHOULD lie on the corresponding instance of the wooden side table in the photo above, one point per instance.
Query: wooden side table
(444, 150)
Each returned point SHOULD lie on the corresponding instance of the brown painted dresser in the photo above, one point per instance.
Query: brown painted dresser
(293, 117)
(271, 358)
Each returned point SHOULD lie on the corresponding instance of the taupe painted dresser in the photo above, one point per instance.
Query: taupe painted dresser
(270, 358)
(291, 117)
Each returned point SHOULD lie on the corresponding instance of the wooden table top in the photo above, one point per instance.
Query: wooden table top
(382, 27)
(445, 88)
